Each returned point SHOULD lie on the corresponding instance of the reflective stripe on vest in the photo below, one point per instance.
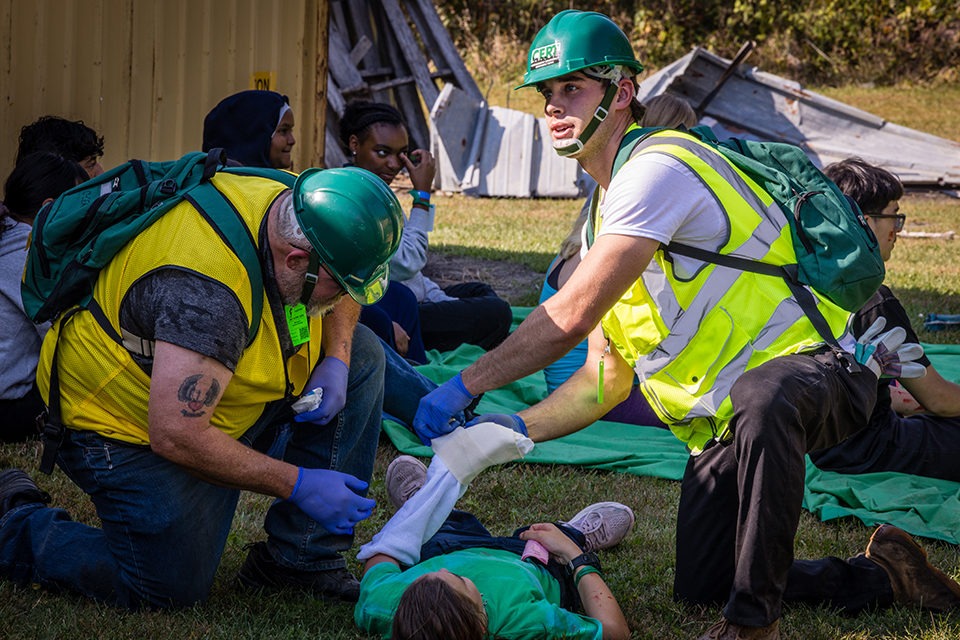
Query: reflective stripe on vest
(104, 390)
(690, 338)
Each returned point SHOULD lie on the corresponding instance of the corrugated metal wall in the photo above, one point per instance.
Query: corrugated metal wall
(144, 73)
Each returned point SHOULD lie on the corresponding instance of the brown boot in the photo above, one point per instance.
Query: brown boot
(727, 630)
(915, 581)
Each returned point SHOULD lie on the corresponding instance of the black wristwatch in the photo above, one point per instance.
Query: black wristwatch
(584, 559)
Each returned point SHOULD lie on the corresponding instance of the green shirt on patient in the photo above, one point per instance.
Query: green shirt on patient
(523, 599)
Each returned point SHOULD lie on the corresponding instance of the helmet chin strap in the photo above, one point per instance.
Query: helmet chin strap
(310, 279)
(573, 148)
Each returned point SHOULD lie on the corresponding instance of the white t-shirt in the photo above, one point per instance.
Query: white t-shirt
(658, 197)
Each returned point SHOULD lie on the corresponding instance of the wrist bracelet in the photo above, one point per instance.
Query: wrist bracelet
(587, 569)
(420, 197)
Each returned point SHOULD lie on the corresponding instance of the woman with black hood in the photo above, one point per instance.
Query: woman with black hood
(254, 127)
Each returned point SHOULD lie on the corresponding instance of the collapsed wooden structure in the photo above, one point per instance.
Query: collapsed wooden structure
(375, 54)
(399, 51)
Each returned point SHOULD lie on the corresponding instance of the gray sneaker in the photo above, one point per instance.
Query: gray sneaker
(405, 476)
(604, 524)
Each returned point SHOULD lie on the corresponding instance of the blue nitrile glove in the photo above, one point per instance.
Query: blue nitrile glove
(330, 375)
(328, 497)
(433, 417)
(508, 420)
(886, 355)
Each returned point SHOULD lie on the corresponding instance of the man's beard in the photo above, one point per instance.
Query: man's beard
(323, 306)
(291, 288)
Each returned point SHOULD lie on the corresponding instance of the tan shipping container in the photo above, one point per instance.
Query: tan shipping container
(144, 73)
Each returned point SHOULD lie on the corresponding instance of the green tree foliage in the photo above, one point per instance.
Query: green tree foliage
(820, 41)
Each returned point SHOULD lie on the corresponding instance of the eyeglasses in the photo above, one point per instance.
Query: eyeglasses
(901, 218)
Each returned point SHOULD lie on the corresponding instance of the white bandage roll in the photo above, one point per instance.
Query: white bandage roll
(468, 451)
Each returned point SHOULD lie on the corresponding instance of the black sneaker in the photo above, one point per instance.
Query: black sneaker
(17, 488)
(261, 572)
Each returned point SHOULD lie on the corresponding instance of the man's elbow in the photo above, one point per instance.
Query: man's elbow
(167, 446)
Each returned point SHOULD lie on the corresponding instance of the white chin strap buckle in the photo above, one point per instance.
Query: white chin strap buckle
(568, 148)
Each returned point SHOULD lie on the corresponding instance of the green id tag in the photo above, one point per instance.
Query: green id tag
(297, 323)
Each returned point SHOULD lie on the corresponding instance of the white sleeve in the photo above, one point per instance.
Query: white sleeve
(658, 197)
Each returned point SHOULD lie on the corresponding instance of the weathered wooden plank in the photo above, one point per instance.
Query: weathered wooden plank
(335, 98)
(407, 98)
(360, 50)
(359, 14)
(335, 157)
(344, 71)
(425, 11)
(337, 17)
(410, 51)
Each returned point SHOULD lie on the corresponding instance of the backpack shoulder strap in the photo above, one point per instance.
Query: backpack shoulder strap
(221, 215)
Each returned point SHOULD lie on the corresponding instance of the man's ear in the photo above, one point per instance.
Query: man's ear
(625, 94)
(297, 260)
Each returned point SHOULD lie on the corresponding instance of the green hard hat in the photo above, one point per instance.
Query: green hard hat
(574, 40)
(353, 221)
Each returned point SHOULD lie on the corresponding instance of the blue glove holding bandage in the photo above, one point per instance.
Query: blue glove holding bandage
(508, 420)
(329, 498)
(330, 375)
(437, 408)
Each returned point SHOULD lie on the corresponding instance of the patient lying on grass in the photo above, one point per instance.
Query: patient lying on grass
(465, 583)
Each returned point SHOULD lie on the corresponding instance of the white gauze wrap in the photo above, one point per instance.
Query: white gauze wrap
(418, 519)
(468, 451)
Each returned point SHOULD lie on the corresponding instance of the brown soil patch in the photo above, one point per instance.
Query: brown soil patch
(515, 283)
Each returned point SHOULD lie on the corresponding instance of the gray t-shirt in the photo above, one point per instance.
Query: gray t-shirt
(20, 339)
(198, 313)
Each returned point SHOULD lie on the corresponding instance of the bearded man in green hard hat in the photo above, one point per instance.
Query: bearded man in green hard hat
(727, 358)
(173, 405)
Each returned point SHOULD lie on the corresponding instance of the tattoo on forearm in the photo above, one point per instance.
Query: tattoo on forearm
(195, 397)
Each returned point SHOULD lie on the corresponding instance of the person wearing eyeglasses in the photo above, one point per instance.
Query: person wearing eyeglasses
(914, 427)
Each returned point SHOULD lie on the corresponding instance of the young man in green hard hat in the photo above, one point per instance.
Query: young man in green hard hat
(726, 357)
(172, 408)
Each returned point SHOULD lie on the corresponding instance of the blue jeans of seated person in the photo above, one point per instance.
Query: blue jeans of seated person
(162, 530)
(403, 387)
(399, 305)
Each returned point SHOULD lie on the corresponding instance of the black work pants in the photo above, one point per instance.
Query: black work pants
(476, 316)
(740, 501)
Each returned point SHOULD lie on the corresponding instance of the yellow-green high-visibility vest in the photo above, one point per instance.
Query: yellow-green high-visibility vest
(690, 338)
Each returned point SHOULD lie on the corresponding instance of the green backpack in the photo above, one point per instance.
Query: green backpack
(837, 254)
(76, 236)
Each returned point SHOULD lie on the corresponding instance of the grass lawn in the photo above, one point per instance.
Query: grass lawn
(925, 273)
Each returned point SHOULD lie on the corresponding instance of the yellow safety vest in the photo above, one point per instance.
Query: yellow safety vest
(102, 389)
(690, 339)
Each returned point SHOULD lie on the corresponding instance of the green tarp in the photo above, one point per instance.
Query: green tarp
(921, 506)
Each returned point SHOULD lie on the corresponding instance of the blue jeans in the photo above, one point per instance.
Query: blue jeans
(162, 530)
(399, 305)
(403, 387)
